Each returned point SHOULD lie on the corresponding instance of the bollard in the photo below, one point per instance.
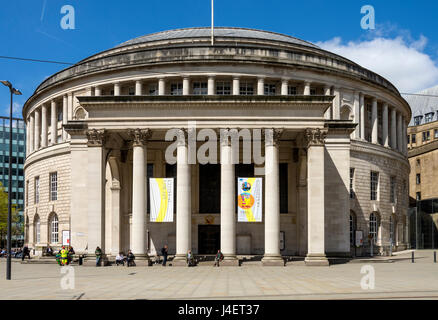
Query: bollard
(413, 257)
(434, 256)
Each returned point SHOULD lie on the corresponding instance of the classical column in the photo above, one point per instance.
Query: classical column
(44, 126)
(97, 91)
(117, 89)
(374, 124)
(399, 132)
(307, 88)
(362, 115)
(236, 86)
(31, 141)
(64, 117)
(315, 198)
(70, 110)
(139, 194)
(210, 85)
(186, 86)
(272, 200)
(356, 102)
(328, 114)
(404, 137)
(385, 125)
(27, 136)
(228, 202)
(393, 129)
(183, 201)
(260, 86)
(336, 104)
(161, 87)
(138, 88)
(53, 123)
(284, 87)
(37, 129)
(96, 194)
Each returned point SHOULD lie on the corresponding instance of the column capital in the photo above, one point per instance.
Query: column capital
(285, 80)
(315, 136)
(140, 136)
(272, 136)
(96, 138)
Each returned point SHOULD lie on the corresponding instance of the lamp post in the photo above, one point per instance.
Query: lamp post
(8, 263)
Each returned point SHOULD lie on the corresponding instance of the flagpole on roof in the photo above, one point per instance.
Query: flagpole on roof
(212, 22)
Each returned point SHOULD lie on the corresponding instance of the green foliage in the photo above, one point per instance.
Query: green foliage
(16, 229)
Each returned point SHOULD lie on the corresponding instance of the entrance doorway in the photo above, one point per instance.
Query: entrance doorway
(209, 237)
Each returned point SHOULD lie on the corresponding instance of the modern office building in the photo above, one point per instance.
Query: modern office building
(331, 135)
(18, 157)
(423, 179)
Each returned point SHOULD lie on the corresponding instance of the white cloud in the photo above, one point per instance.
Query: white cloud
(401, 61)
(16, 109)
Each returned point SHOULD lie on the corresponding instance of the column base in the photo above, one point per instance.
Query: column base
(316, 259)
(272, 261)
(180, 260)
(90, 261)
(230, 261)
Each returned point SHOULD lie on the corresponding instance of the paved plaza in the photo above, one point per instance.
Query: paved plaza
(393, 280)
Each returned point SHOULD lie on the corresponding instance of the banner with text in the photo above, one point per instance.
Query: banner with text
(161, 196)
(249, 199)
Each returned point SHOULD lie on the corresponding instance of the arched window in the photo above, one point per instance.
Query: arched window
(37, 226)
(374, 226)
(352, 228)
(54, 234)
(345, 113)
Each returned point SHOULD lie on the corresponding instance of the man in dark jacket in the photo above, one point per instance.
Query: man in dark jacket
(164, 254)
(26, 253)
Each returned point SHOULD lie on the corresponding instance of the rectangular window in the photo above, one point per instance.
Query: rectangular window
(374, 185)
(351, 183)
(417, 120)
(435, 134)
(429, 117)
(392, 189)
(418, 178)
(223, 88)
(313, 91)
(270, 89)
(246, 88)
(409, 139)
(131, 91)
(414, 138)
(53, 186)
(37, 190)
(426, 136)
(176, 89)
(292, 91)
(200, 88)
(418, 198)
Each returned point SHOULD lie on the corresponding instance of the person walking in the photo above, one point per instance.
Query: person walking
(218, 258)
(164, 254)
(25, 253)
(190, 259)
(98, 254)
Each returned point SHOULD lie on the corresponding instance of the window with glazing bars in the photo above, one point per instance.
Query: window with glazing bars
(223, 88)
(53, 186)
(246, 88)
(200, 88)
(374, 185)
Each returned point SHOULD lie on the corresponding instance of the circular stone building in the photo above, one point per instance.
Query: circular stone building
(326, 137)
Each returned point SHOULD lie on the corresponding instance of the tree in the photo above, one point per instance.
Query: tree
(4, 217)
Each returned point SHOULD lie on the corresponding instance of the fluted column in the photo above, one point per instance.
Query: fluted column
(37, 129)
(385, 125)
(228, 202)
(284, 87)
(315, 198)
(138, 88)
(236, 86)
(272, 199)
(31, 141)
(65, 116)
(44, 126)
(53, 122)
(306, 88)
(211, 86)
(260, 86)
(336, 104)
(374, 124)
(117, 89)
(97, 91)
(96, 194)
(161, 87)
(186, 86)
(393, 129)
(362, 115)
(329, 113)
(139, 192)
(356, 102)
(183, 201)
(399, 132)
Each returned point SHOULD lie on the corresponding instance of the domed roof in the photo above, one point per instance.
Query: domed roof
(223, 32)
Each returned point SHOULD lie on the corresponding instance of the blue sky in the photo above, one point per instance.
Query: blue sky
(403, 48)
